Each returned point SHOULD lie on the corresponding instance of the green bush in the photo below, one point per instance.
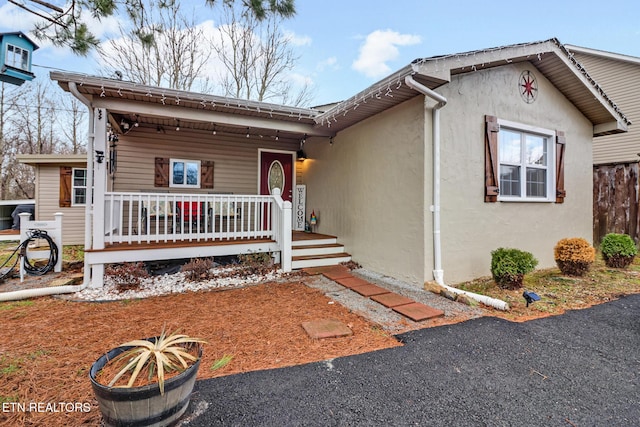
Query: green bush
(508, 266)
(618, 250)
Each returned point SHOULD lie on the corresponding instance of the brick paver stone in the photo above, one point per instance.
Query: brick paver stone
(369, 290)
(417, 311)
(337, 272)
(326, 328)
(392, 299)
(352, 282)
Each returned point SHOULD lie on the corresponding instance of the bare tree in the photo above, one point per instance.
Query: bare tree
(257, 59)
(175, 58)
(67, 26)
(28, 127)
(72, 125)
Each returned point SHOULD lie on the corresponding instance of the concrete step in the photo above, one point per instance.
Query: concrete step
(323, 240)
(312, 250)
(298, 262)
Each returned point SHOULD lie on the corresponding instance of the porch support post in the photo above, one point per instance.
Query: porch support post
(286, 237)
(99, 189)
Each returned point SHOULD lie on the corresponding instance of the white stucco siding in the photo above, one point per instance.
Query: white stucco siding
(367, 188)
(471, 228)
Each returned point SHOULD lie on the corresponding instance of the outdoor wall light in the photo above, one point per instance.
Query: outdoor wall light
(99, 156)
(530, 297)
(301, 155)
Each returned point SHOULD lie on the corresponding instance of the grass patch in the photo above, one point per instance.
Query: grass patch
(558, 292)
(15, 304)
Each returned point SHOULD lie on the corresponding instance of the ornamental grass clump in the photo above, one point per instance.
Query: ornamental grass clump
(508, 267)
(618, 250)
(154, 358)
(574, 256)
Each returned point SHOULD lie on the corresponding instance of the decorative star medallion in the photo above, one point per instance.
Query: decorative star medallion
(528, 86)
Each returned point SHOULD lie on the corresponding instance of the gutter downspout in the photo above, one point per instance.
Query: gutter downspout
(438, 273)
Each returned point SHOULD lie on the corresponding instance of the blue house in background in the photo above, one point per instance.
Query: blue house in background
(15, 58)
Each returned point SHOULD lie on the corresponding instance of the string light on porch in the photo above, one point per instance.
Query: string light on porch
(178, 125)
(248, 132)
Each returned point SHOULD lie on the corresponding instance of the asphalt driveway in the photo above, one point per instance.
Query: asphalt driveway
(578, 369)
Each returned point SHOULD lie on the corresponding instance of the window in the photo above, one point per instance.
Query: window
(523, 163)
(184, 173)
(17, 57)
(79, 187)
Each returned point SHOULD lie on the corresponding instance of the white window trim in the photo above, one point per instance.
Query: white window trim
(550, 136)
(173, 161)
(74, 187)
(13, 56)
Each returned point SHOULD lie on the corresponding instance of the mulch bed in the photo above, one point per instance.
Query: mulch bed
(48, 344)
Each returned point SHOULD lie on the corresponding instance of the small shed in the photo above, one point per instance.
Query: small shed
(16, 50)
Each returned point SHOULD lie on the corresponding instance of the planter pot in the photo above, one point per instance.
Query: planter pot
(143, 406)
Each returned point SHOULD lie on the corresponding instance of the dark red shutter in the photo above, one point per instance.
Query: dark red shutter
(560, 150)
(65, 186)
(206, 174)
(161, 172)
(491, 175)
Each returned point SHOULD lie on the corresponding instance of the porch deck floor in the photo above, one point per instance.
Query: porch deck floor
(177, 244)
(295, 235)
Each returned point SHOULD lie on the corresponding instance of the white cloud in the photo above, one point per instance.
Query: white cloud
(297, 40)
(331, 63)
(380, 47)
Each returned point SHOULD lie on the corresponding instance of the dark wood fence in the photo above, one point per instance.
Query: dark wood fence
(615, 200)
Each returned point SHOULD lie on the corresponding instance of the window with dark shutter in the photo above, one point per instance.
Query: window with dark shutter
(523, 163)
(65, 186)
(560, 148)
(161, 172)
(206, 174)
(491, 176)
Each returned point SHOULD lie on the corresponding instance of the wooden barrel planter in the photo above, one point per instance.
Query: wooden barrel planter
(143, 406)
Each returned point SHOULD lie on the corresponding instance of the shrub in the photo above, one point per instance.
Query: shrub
(128, 275)
(508, 266)
(574, 256)
(618, 250)
(198, 269)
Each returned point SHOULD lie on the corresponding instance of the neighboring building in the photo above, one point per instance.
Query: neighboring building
(424, 172)
(56, 191)
(616, 172)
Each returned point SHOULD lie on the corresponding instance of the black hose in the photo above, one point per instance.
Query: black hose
(29, 267)
(53, 254)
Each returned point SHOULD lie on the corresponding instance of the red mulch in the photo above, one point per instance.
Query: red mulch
(48, 344)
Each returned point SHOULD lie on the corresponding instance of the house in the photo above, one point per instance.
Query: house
(616, 157)
(16, 50)
(425, 171)
(56, 191)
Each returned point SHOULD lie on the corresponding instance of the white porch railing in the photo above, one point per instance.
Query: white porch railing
(170, 217)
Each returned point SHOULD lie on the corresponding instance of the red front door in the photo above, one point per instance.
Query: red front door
(276, 171)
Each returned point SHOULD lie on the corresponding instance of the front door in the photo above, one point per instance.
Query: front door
(276, 171)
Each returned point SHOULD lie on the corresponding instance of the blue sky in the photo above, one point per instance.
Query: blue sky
(346, 45)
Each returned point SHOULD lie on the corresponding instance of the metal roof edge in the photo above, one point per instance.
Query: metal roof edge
(603, 54)
(146, 90)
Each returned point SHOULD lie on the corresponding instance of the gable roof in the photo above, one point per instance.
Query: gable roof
(603, 54)
(550, 57)
(165, 107)
(21, 35)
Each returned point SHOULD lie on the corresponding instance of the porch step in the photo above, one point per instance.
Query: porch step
(316, 250)
(299, 262)
(320, 249)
